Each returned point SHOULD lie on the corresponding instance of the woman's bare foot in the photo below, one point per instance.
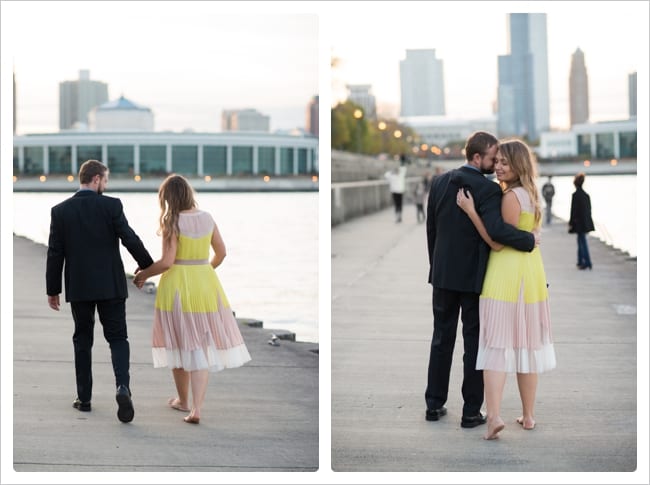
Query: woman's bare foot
(526, 423)
(191, 419)
(494, 426)
(176, 403)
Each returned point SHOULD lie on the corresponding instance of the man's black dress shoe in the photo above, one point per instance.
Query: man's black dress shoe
(436, 414)
(472, 421)
(81, 406)
(125, 410)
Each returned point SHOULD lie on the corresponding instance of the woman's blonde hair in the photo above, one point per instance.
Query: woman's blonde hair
(175, 195)
(523, 164)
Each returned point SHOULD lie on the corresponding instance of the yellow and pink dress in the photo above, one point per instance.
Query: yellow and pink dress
(515, 319)
(194, 327)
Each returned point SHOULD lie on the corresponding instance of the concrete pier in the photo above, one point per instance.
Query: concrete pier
(586, 409)
(259, 417)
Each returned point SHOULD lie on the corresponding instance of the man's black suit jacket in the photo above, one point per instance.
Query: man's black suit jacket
(85, 232)
(457, 254)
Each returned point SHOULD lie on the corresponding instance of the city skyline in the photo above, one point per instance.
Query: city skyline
(187, 62)
(469, 36)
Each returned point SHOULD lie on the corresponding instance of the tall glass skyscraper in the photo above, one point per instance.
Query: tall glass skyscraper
(523, 99)
(421, 83)
(578, 89)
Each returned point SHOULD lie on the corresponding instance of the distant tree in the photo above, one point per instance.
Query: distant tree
(365, 136)
(348, 132)
(340, 133)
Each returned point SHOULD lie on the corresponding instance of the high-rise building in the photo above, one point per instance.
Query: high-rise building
(421, 84)
(244, 120)
(361, 94)
(312, 116)
(77, 98)
(578, 89)
(631, 93)
(523, 97)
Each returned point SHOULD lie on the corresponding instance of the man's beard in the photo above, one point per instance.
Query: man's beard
(487, 171)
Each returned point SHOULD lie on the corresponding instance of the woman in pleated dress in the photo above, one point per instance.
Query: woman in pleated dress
(515, 333)
(194, 330)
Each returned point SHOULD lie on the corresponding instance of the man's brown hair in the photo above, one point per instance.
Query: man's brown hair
(89, 169)
(479, 142)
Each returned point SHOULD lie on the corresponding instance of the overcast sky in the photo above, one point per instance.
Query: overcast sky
(469, 37)
(186, 61)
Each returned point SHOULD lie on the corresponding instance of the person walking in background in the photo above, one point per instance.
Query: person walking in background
(397, 185)
(85, 232)
(548, 191)
(515, 333)
(419, 194)
(580, 222)
(457, 261)
(194, 328)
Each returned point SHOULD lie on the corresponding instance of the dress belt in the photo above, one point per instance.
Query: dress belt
(191, 261)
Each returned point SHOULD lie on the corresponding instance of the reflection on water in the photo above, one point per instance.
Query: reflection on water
(271, 269)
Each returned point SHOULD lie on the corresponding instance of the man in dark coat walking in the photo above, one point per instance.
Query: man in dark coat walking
(85, 232)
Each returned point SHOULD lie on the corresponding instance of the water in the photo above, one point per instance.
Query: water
(271, 271)
(271, 268)
(613, 206)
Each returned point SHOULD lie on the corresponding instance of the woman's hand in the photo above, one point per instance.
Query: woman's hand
(139, 279)
(465, 202)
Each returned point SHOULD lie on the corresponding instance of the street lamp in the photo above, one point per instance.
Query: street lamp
(358, 114)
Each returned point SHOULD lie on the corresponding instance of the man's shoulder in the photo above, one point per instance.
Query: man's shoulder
(64, 203)
(108, 201)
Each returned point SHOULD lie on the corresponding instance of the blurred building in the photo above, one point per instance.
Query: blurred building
(631, 93)
(361, 94)
(578, 89)
(120, 115)
(523, 99)
(603, 140)
(312, 116)
(421, 84)
(160, 153)
(245, 120)
(440, 130)
(77, 98)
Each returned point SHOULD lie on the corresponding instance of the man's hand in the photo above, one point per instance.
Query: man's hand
(53, 301)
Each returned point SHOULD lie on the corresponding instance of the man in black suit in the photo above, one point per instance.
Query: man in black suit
(85, 232)
(458, 258)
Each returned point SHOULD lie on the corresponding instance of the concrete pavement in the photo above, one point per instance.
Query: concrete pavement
(260, 417)
(586, 408)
